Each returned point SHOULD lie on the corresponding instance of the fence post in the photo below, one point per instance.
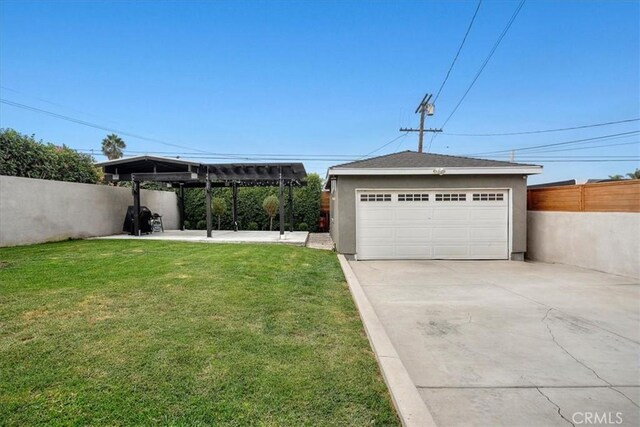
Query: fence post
(582, 198)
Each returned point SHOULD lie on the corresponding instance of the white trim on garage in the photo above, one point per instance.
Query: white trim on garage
(392, 199)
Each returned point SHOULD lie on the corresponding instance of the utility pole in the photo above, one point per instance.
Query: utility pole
(425, 109)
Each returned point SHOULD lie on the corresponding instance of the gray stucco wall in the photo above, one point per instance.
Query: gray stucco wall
(35, 210)
(604, 241)
(343, 201)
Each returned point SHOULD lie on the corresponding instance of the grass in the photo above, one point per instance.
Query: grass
(131, 333)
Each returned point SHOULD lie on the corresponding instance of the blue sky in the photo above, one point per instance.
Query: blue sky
(326, 77)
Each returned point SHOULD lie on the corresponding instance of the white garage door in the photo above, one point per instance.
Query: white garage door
(432, 224)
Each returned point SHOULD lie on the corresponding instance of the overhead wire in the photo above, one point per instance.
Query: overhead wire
(555, 144)
(481, 69)
(95, 125)
(486, 61)
(544, 130)
(455, 58)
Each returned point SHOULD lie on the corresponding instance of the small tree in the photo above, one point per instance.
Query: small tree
(218, 207)
(634, 175)
(271, 204)
(112, 146)
(616, 177)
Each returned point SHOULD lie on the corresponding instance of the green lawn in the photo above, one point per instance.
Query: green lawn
(126, 332)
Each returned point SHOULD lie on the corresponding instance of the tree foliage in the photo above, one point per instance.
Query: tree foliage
(306, 205)
(271, 205)
(22, 155)
(632, 175)
(218, 207)
(112, 146)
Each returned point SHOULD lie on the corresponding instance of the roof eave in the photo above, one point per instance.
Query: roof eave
(483, 170)
(146, 157)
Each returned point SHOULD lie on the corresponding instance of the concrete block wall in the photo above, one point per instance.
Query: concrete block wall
(603, 241)
(36, 211)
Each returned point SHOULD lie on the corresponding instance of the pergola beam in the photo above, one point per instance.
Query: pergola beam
(155, 177)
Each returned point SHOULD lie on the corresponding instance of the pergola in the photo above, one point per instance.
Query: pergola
(188, 174)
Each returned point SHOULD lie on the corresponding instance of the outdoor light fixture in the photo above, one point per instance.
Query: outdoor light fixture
(439, 171)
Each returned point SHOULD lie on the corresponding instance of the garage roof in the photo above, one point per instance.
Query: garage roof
(413, 159)
(414, 163)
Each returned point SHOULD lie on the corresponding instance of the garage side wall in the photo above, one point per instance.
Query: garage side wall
(344, 201)
(36, 210)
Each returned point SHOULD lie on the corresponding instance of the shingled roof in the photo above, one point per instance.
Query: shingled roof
(413, 159)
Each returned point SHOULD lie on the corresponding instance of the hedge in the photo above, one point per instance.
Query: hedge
(22, 155)
(251, 215)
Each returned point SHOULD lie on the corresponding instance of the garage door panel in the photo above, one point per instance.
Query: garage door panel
(414, 251)
(410, 234)
(450, 233)
(482, 213)
(451, 251)
(487, 251)
(377, 214)
(452, 214)
(488, 233)
(453, 227)
(412, 214)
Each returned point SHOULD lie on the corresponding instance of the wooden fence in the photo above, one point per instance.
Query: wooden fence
(324, 202)
(613, 196)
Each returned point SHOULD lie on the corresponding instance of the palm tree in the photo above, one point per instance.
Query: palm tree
(616, 177)
(112, 146)
(634, 175)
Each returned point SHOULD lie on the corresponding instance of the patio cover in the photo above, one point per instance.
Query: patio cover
(185, 173)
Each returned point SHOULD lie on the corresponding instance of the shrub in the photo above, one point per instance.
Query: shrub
(218, 207)
(201, 225)
(303, 226)
(22, 155)
(271, 205)
(187, 225)
(306, 204)
(252, 226)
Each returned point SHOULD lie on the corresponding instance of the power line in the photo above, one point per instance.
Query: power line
(94, 125)
(545, 130)
(576, 141)
(486, 61)
(319, 156)
(385, 144)
(464, 39)
(588, 148)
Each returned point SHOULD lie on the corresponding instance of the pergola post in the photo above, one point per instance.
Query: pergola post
(136, 206)
(234, 193)
(207, 190)
(281, 205)
(181, 205)
(291, 206)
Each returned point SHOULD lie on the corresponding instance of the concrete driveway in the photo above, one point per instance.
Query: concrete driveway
(491, 343)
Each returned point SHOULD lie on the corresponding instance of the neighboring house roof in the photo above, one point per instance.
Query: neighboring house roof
(554, 184)
(414, 163)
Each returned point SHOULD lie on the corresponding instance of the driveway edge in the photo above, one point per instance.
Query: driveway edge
(404, 394)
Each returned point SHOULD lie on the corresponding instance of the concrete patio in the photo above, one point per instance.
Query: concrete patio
(298, 238)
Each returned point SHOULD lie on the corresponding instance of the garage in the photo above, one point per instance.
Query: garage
(432, 224)
(412, 205)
